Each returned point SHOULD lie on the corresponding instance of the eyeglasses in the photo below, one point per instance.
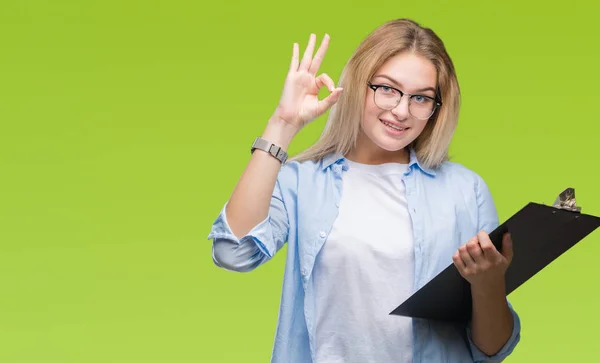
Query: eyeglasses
(419, 106)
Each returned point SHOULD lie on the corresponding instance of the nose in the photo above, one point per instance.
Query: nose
(401, 110)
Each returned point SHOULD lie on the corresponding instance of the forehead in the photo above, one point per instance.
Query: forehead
(410, 71)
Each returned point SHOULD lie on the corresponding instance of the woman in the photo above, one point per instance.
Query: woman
(371, 212)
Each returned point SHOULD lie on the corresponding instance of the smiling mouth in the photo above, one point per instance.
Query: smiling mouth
(392, 126)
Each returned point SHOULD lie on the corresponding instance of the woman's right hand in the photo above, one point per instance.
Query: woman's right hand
(299, 103)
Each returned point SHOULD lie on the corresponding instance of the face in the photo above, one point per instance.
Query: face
(386, 132)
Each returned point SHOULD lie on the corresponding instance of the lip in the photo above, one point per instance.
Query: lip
(395, 132)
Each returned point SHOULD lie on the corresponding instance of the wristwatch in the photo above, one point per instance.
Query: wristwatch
(270, 148)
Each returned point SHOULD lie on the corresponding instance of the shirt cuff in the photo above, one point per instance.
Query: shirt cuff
(261, 234)
(509, 346)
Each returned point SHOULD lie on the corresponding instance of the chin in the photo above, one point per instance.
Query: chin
(391, 147)
(393, 143)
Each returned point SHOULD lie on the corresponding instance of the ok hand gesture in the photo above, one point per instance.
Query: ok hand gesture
(299, 103)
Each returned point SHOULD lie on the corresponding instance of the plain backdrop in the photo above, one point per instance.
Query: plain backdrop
(124, 126)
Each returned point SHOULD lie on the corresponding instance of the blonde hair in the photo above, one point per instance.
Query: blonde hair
(392, 38)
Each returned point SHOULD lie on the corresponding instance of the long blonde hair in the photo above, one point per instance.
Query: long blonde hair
(392, 38)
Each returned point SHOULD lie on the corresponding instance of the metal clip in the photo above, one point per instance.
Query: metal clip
(566, 200)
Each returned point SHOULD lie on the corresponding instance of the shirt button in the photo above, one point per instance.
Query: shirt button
(322, 234)
(304, 271)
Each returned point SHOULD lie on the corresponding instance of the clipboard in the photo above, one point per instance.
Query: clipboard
(540, 234)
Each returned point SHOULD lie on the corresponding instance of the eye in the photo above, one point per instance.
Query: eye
(386, 89)
(421, 99)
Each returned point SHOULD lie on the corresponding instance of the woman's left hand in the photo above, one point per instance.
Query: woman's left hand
(480, 263)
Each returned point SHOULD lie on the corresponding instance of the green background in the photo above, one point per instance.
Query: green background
(125, 125)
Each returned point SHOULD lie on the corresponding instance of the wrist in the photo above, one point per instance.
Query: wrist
(489, 289)
(279, 132)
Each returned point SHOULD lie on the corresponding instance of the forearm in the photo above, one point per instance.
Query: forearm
(250, 200)
(492, 320)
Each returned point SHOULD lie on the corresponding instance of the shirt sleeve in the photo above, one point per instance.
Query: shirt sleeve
(507, 349)
(256, 247)
(488, 221)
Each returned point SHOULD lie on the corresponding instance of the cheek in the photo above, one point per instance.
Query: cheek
(419, 126)
(369, 121)
(371, 113)
(370, 108)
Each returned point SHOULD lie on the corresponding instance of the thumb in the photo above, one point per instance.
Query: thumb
(507, 247)
(324, 80)
(329, 101)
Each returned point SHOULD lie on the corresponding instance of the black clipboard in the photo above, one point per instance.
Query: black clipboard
(540, 234)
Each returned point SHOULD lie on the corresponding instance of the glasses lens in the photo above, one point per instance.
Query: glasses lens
(421, 107)
(387, 98)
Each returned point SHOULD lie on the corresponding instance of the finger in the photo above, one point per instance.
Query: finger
(325, 80)
(295, 57)
(475, 250)
(329, 101)
(308, 53)
(316, 62)
(507, 247)
(488, 248)
(465, 256)
(458, 262)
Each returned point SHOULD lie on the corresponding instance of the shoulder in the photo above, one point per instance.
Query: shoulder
(294, 168)
(459, 177)
(458, 173)
(294, 172)
(301, 181)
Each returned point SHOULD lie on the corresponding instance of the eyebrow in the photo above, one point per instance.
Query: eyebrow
(400, 84)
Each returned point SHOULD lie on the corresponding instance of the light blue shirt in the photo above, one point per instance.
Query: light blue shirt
(447, 205)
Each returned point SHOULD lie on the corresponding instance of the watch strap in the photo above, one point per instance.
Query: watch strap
(276, 151)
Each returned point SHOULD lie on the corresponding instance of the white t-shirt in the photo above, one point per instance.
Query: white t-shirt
(365, 270)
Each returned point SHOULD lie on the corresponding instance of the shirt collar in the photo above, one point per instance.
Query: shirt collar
(338, 158)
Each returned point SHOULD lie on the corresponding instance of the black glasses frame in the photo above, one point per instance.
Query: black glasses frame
(437, 99)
